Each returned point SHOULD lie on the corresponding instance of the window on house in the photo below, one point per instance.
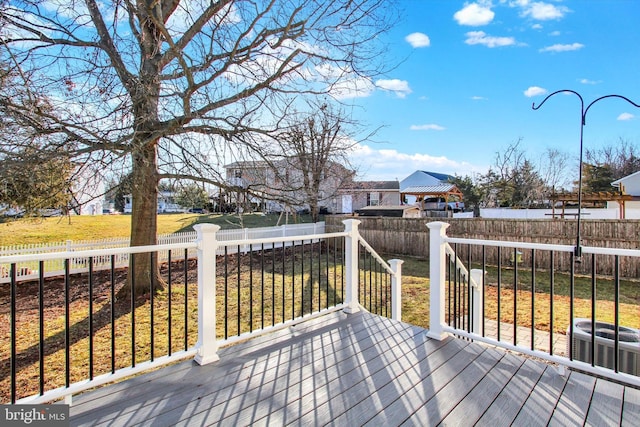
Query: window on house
(373, 199)
(237, 173)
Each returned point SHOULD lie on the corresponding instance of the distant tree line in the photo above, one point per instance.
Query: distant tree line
(514, 180)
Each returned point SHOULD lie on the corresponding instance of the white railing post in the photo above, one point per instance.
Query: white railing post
(477, 278)
(396, 289)
(207, 346)
(437, 275)
(351, 265)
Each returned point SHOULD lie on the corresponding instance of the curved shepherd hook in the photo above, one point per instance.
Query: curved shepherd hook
(583, 122)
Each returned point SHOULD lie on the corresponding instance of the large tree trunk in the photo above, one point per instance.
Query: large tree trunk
(143, 268)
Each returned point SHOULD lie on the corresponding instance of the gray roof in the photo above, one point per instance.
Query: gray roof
(371, 185)
(434, 189)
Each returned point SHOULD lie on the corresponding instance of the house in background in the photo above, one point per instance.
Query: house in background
(628, 186)
(166, 203)
(356, 195)
(278, 186)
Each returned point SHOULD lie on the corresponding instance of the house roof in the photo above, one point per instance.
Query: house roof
(371, 185)
(439, 176)
(617, 182)
(430, 189)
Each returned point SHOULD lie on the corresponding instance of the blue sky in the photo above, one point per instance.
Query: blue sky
(469, 72)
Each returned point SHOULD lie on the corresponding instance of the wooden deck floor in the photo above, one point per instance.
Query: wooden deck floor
(359, 369)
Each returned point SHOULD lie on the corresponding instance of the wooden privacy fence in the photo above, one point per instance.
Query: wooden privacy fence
(410, 236)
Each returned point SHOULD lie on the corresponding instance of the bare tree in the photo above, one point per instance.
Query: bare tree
(162, 87)
(310, 161)
(555, 170)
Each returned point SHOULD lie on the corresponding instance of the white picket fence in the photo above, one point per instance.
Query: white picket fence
(30, 270)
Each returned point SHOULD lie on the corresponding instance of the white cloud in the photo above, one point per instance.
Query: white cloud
(588, 82)
(626, 116)
(479, 98)
(536, 26)
(542, 11)
(359, 87)
(388, 164)
(427, 127)
(535, 91)
(562, 47)
(474, 15)
(418, 40)
(399, 87)
(480, 37)
(555, 33)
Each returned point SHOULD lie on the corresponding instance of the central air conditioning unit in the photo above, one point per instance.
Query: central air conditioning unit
(628, 346)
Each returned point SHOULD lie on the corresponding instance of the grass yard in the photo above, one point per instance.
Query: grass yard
(59, 229)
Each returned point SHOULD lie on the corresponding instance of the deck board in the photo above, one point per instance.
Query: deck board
(358, 369)
(606, 404)
(631, 407)
(504, 409)
(474, 404)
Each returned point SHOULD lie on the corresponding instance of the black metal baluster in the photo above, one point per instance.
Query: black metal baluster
(251, 287)
(238, 254)
(343, 255)
(451, 297)
(515, 296)
(133, 312)
(41, 320)
(533, 299)
(293, 293)
(319, 244)
(616, 309)
(113, 313)
(262, 287)
(371, 290)
(551, 298)
(169, 294)
(186, 299)
(154, 269)
(226, 292)
(469, 292)
(90, 318)
(13, 332)
(499, 289)
(283, 287)
(484, 296)
(326, 253)
(273, 284)
(571, 300)
(67, 325)
(592, 344)
(293, 282)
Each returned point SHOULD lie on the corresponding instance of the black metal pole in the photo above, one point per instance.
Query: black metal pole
(583, 116)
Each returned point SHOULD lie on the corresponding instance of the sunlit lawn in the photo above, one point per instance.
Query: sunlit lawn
(59, 229)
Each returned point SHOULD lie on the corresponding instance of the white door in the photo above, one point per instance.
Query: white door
(347, 205)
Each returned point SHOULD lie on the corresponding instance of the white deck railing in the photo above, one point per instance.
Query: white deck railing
(29, 270)
(208, 247)
(471, 289)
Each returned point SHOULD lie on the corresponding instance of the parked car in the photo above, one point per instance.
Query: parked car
(196, 210)
(440, 204)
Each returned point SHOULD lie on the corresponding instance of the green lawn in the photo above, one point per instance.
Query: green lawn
(59, 229)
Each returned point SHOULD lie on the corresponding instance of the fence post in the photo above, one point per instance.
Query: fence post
(437, 275)
(351, 265)
(477, 281)
(396, 289)
(207, 346)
